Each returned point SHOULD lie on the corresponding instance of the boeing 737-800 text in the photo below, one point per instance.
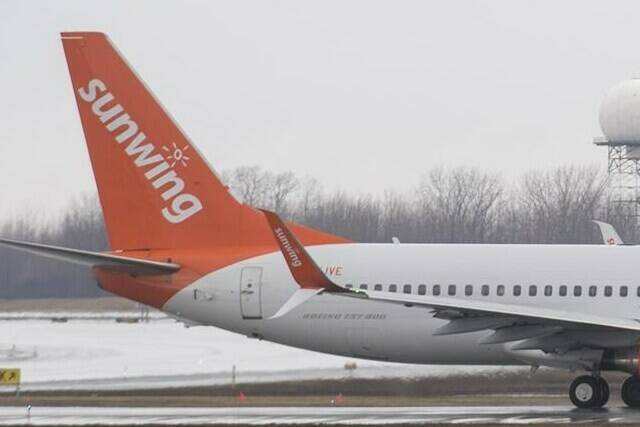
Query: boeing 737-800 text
(183, 243)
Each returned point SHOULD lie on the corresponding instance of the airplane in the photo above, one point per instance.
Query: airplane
(609, 234)
(181, 242)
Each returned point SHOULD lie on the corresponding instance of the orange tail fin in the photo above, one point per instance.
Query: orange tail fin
(155, 188)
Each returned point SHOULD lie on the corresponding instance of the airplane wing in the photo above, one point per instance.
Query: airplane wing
(504, 314)
(523, 328)
(94, 259)
(532, 327)
(609, 233)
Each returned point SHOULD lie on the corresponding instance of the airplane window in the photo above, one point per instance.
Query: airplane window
(422, 290)
(624, 291)
(533, 290)
(638, 291)
(485, 290)
(577, 291)
(452, 290)
(517, 290)
(468, 290)
(377, 287)
(364, 286)
(500, 290)
(593, 291)
(348, 285)
(406, 289)
(436, 290)
(563, 291)
(548, 290)
(393, 288)
(608, 291)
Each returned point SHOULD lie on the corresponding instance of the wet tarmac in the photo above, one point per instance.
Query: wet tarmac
(314, 415)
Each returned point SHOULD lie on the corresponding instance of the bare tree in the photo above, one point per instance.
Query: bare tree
(448, 205)
(397, 218)
(558, 205)
(309, 199)
(25, 275)
(250, 183)
(279, 189)
(458, 205)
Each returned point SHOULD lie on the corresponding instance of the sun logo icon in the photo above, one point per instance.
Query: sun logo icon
(177, 154)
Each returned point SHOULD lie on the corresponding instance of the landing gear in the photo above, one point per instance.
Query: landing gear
(604, 392)
(631, 392)
(591, 392)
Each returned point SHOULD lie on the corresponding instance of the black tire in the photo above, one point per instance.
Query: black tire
(631, 392)
(604, 392)
(585, 392)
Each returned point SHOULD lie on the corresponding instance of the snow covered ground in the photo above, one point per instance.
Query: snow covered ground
(102, 354)
(78, 315)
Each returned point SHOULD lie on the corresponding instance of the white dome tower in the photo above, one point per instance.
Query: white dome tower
(620, 113)
(620, 124)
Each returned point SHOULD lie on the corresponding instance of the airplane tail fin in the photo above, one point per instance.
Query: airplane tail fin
(155, 188)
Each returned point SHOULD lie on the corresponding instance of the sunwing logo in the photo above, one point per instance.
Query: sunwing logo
(287, 247)
(177, 154)
(158, 171)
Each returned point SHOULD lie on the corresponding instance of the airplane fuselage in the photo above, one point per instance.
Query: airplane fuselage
(575, 278)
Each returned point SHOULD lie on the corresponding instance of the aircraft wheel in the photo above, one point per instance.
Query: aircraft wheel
(604, 392)
(631, 392)
(585, 392)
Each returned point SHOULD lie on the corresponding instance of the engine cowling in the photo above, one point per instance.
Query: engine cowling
(625, 360)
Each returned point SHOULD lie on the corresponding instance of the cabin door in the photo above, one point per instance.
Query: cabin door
(250, 293)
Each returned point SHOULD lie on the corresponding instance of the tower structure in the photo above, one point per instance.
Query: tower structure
(620, 124)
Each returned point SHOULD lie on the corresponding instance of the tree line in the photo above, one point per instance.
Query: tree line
(447, 205)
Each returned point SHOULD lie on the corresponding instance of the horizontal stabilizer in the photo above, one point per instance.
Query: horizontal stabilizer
(94, 259)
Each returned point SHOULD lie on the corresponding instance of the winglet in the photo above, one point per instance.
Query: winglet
(303, 268)
(609, 234)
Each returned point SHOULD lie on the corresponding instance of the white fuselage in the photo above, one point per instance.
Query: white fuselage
(400, 333)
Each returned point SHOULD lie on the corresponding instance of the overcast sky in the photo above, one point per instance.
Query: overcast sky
(363, 95)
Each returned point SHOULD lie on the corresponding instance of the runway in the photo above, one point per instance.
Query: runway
(313, 415)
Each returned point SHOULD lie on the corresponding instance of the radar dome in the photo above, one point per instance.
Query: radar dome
(620, 113)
